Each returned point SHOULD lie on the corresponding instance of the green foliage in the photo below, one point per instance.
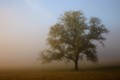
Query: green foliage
(72, 36)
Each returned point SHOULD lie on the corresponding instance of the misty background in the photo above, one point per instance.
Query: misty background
(24, 26)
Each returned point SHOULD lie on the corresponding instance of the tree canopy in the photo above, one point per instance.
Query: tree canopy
(72, 37)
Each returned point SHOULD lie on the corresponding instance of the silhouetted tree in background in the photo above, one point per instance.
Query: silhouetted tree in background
(73, 36)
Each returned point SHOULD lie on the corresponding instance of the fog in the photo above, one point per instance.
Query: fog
(24, 27)
(21, 39)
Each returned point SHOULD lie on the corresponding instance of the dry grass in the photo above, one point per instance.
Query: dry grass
(59, 75)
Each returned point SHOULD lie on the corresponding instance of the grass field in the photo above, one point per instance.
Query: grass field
(104, 74)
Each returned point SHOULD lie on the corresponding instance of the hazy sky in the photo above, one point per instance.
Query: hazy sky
(24, 25)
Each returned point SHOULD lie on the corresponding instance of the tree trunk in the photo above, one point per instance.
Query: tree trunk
(76, 65)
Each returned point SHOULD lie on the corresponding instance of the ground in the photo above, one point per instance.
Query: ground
(60, 75)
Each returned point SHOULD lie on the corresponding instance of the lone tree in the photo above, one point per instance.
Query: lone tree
(72, 37)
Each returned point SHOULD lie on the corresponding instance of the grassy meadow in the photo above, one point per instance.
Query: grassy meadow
(35, 74)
